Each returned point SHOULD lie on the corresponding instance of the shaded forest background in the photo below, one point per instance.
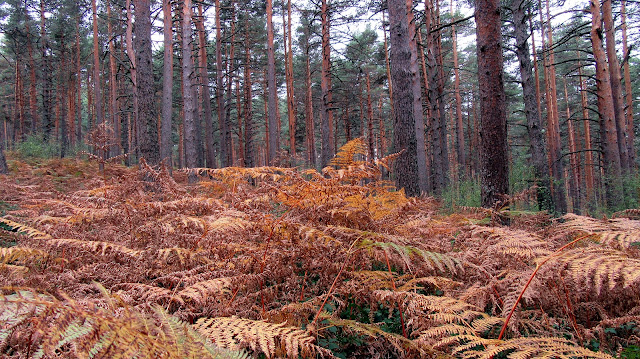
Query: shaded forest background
(249, 83)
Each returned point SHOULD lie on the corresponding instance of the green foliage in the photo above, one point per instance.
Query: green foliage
(462, 193)
(33, 148)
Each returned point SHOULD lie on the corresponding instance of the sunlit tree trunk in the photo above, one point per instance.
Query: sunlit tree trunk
(608, 132)
(493, 134)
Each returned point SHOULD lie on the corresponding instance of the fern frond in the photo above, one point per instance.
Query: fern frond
(96, 247)
(201, 291)
(522, 348)
(21, 254)
(30, 232)
(597, 267)
(260, 336)
(433, 261)
(346, 155)
(620, 239)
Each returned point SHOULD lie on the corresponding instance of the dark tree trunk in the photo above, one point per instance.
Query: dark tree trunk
(493, 118)
(404, 135)
(249, 159)
(206, 97)
(272, 91)
(537, 145)
(147, 115)
(222, 121)
(328, 141)
(189, 98)
(167, 86)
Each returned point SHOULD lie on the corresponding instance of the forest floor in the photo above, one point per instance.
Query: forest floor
(281, 262)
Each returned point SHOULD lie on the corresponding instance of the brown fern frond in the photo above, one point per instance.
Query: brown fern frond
(620, 239)
(96, 247)
(262, 337)
(148, 293)
(519, 244)
(632, 213)
(470, 346)
(201, 291)
(21, 255)
(29, 231)
(600, 268)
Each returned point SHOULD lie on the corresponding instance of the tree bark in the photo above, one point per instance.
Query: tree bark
(616, 83)
(113, 92)
(460, 146)
(166, 144)
(135, 126)
(272, 91)
(189, 97)
(418, 115)
(222, 121)
(206, 97)
(96, 67)
(493, 119)
(537, 145)
(249, 156)
(404, 135)
(147, 115)
(291, 106)
(589, 164)
(608, 132)
(631, 150)
(328, 143)
(309, 124)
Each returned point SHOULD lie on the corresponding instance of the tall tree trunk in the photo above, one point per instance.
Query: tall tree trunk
(113, 92)
(309, 124)
(589, 164)
(553, 120)
(493, 117)
(206, 97)
(386, 61)
(147, 115)
(46, 74)
(96, 68)
(460, 146)
(19, 101)
(328, 143)
(631, 150)
(166, 145)
(135, 126)
(616, 83)
(63, 79)
(272, 91)
(222, 121)
(537, 145)
(291, 105)
(189, 97)
(608, 132)
(574, 158)
(230, 69)
(442, 159)
(369, 119)
(418, 115)
(249, 159)
(33, 99)
(404, 135)
(78, 123)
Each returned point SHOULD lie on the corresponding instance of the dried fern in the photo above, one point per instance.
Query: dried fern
(260, 336)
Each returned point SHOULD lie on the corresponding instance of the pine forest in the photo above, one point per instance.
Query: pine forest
(319, 179)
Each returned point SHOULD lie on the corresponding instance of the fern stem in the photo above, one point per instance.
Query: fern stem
(344, 264)
(538, 266)
(393, 285)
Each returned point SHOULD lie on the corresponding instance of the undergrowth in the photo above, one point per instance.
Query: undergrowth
(281, 262)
